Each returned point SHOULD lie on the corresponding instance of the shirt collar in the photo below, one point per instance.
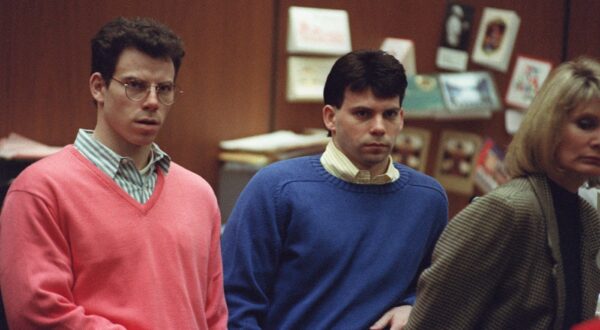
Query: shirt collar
(338, 165)
(108, 160)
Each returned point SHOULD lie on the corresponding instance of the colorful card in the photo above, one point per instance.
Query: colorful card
(527, 78)
(490, 171)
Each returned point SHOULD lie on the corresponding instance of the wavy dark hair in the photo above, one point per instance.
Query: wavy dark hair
(144, 34)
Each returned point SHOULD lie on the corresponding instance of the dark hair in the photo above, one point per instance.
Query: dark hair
(360, 70)
(143, 34)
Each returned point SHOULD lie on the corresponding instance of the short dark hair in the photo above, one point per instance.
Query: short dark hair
(143, 34)
(363, 69)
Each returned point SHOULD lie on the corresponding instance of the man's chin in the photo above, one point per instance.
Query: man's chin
(372, 162)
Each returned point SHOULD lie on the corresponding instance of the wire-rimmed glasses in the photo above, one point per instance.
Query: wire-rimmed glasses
(136, 90)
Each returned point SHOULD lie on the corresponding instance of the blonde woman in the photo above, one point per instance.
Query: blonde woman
(523, 256)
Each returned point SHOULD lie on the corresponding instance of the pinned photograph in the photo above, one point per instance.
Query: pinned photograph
(457, 156)
(412, 148)
(452, 53)
(496, 38)
(527, 78)
(469, 94)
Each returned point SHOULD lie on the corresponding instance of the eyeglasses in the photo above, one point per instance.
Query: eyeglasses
(136, 90)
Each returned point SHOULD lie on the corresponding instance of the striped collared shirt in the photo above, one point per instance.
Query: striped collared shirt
(338, 165)
(139, 184)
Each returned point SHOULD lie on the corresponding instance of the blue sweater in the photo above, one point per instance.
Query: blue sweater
(303, 249)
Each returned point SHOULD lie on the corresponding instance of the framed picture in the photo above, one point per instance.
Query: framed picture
(457, 157)
(457, 26)
(412, 148)
(469, 93)
(527, 78)
(496, 38)
(306, 77)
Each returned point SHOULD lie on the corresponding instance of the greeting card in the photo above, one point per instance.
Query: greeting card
(496, 38)
(318, 30)
(527, 78)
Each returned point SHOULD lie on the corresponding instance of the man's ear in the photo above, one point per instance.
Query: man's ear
(329, 118)
(97, 87)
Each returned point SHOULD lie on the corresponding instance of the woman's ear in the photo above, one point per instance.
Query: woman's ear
(97, 87)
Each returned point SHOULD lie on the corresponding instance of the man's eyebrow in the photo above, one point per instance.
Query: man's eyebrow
(130, 78)
(361, 107)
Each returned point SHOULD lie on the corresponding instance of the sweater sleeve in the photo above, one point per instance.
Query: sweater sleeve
(439, 224)
(469, 261)
(35, 268)
(251, 245)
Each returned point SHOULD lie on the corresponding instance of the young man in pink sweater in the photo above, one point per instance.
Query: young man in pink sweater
(109, 233)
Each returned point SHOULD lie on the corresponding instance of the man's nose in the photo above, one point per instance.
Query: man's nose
(151, 102)
(378, 125)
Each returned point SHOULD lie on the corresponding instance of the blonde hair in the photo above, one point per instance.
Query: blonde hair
(533, 147)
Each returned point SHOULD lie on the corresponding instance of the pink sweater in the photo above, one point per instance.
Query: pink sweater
(77, 252)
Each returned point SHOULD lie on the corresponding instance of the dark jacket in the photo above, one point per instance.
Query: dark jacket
(498, 264)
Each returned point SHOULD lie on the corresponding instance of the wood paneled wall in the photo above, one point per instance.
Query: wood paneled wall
(225, 75)
(583, 27)
(234, 72)
(541, 35)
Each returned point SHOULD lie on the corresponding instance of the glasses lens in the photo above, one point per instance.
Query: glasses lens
(136, 90)
(166, 94)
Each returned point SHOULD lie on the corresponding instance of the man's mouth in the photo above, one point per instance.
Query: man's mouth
(147, 121)
(376, 145)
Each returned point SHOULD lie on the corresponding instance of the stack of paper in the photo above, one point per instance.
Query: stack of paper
(16, 146)
(266, 148)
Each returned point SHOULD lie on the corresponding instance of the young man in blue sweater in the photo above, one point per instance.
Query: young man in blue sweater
(338, 240)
